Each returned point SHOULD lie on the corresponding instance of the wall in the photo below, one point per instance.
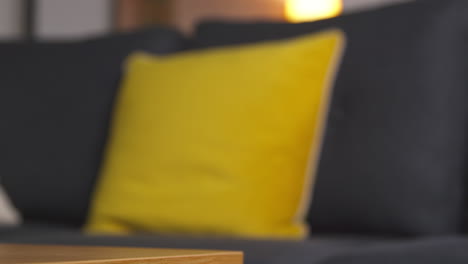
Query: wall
(189, 12)
(58, 19)
(66, 19)
(354, 5)
(10, 19)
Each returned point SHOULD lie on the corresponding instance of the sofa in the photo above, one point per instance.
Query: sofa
(392, 180)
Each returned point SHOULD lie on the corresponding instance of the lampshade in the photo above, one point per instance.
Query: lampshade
(309, 10)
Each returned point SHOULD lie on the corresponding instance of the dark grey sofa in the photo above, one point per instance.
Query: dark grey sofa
(392, 181)
(314, 250)
(318, 249)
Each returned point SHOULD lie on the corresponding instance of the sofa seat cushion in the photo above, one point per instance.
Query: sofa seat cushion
(434, 251)
(256, 251)
(318, 250)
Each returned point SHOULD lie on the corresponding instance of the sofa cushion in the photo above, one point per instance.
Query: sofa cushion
(256, 251)
(192, 151)
(317, 250)
(393, 156)
(434, 251)
(55, 104)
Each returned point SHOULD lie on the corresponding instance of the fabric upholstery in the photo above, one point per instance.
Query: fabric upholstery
(312, 251)
(55, 105)
(434, 251)
(394, 154)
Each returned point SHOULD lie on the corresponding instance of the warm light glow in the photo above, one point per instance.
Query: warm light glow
(308, 10)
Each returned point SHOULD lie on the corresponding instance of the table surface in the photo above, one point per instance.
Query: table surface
(30, 254)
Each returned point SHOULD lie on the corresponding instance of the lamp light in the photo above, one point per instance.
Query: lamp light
(309, 10)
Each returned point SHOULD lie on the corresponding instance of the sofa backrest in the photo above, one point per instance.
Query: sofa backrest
(55, 107)
(394, 158)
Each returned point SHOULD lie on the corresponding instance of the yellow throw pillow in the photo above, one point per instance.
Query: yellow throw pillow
(218, 142)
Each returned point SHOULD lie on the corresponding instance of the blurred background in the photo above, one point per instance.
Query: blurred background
(71, 19)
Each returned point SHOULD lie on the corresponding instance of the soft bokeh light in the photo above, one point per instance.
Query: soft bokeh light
(309, 10)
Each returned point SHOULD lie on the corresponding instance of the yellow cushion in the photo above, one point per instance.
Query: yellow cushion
(218, 142)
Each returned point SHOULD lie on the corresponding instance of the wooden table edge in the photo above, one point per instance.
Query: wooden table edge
(237, 258)
(199, 256)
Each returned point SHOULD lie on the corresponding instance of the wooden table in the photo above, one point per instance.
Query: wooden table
(28, 254)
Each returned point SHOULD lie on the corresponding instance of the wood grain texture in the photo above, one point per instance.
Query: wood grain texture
(29, 254)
